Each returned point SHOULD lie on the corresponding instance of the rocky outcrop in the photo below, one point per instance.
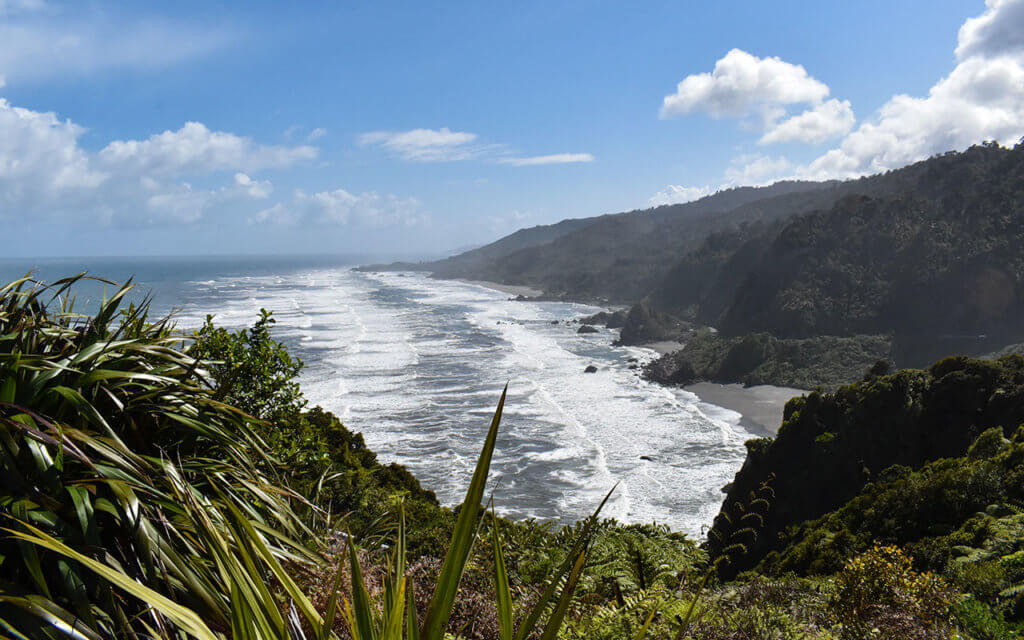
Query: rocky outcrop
(610, 319)
(758, 358)
(586, 329)
(643, 325)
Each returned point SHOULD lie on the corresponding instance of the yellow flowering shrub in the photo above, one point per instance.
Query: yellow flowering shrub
(881, 584)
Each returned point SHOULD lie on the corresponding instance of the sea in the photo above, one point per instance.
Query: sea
(417, 365)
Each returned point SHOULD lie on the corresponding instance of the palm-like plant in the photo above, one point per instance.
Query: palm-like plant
(132, 504)
(126, 487)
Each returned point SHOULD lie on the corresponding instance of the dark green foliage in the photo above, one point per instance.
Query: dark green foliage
(831, 445)
(623, 256)
(981, 622)
(630, 558)
(250, 369)
(760, 358)
(932, 252)
(113, 448)
(325, 461)
(931, 512)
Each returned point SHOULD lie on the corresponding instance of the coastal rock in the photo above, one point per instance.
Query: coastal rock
(672, 369)
(586, 329)
(755, 359)
(590, 369)
(643, 325)
(612, 320)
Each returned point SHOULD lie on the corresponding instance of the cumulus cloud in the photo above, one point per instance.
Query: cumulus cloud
(743, 84)
(981, 99)
(677, 194)
(998, 31)
(253, 188)
(45, 173)
(825, 121)
(425, 145)
(558, 158)
(339, 207)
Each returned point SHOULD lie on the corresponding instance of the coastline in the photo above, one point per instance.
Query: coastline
(511, 289)
(761, 406)
(663, 347)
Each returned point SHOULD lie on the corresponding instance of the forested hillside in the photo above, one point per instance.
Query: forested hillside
(833, 446)
(939, 264)
(620, 257)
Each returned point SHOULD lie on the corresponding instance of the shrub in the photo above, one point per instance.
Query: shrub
(880, 587)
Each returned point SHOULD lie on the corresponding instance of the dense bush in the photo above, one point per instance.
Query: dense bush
(880, 590)
(831, 445)
(759, 358)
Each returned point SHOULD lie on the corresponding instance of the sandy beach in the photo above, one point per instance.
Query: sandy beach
(511, 289)
(761, 406)
(665, 346)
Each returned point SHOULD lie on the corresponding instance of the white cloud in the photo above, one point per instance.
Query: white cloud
(445, 145)
(742, 82)
(36, 46)
(824, 121)
(40, 157)
(46, 174)
(743, 85)
(558, 158)
(316, 134)
(194, 148)
(981, 99)
(253, 188)
(756, 169)
(677, 194)
(425, 145)
(998, 31)
(339, 207)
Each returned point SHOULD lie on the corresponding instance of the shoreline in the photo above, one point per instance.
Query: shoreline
(760, 406)
(663, 347)
(511, 289)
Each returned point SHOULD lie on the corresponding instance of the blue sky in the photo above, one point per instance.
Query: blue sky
(201, 127)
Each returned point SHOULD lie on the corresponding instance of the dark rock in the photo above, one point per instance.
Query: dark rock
(612, 320)
(647, 458)
(586, 329)
(554, 322)
(590, 369)
(644, 325)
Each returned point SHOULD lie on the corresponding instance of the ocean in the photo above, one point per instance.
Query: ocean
(417, 365)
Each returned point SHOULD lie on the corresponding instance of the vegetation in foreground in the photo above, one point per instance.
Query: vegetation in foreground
(158, 488)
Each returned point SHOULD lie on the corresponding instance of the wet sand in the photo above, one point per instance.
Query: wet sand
(664, 347)
(511, 289)
(761, 406)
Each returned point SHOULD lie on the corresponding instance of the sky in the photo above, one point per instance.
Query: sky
(391, 128)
